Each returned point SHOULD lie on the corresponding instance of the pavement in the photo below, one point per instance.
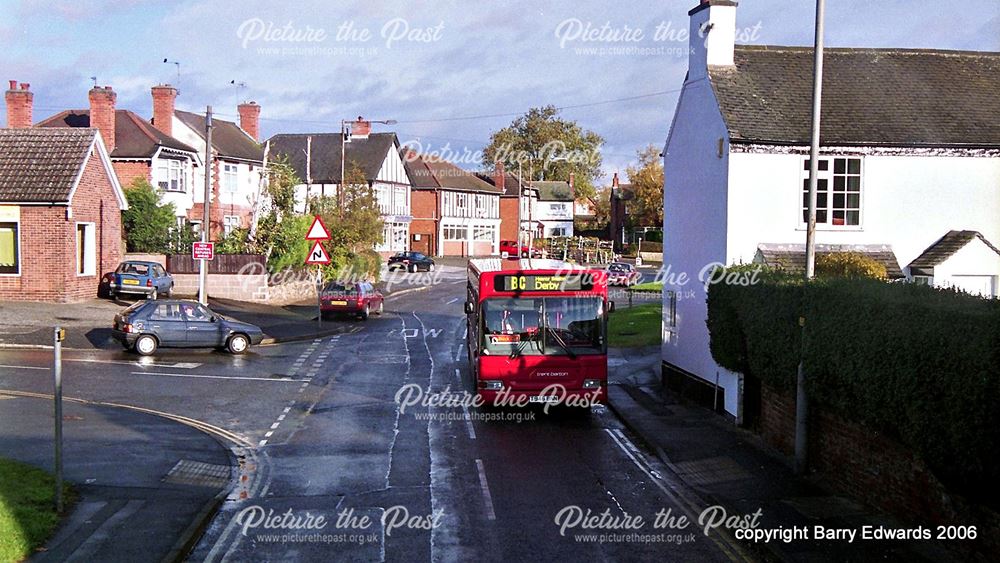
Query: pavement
(143, 482)
(731, 467)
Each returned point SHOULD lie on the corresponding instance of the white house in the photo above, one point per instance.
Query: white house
(553, 209)
(455, 213)
(910, 156)
(237, 162)
(317, 158)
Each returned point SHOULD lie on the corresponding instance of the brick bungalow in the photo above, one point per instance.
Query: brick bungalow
(60, 213)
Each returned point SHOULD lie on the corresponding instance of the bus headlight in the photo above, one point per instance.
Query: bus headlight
(491, 385)
(591, 383)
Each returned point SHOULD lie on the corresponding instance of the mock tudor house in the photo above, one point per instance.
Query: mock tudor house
(455, 213)
(909, 170)
(60, 213)
(554, 211)
(508, 184)
(138, 150)
(237, 162)
(316, 159)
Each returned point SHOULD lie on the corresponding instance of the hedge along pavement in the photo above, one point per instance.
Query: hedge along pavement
(916, 362)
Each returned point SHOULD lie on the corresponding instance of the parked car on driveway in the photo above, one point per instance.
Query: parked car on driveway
(361, 299)
(148, 325)
(411, 262)
(136, 277)
(622, 273)
(512, 250)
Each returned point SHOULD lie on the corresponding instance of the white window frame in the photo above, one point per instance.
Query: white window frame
(453, 233)
(230, 178)
(484, 233)
(230, 223)
(171, 170)
(17, 249)
(89, 258)
(830, 177)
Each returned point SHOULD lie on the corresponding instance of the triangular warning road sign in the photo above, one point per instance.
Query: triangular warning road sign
(318, 255)
(318, 230)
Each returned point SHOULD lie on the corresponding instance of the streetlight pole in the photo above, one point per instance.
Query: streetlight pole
(206, 216)
(801, 398)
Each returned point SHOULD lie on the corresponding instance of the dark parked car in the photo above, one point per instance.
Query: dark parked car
(622, 273)
(140, 278)
(411, 262)
(148, 325)
(361, 299)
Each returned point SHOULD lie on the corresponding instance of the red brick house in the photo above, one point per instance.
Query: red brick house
(60, 213)
(454, 212)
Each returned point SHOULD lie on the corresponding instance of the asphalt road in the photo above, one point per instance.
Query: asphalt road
(320, 434)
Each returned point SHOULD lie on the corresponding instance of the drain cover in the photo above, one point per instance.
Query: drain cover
(188, 472)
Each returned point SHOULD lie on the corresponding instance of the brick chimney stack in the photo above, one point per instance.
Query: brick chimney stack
(102, 114)
(500, 177)
(614, 181)
(250, 119)
(164, 97)
(19, 105)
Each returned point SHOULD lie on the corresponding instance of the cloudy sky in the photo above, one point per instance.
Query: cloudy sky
(450, 72)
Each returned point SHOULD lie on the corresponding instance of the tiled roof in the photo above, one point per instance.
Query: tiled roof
(509, 180)
(134, 136)
(368, 153)
(877, 97)
(553, 191)
(792, 257)
(945, 248)
(228, 139)
(427, 172)
(42, 165)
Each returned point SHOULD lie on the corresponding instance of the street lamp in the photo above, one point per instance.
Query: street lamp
(343, 147)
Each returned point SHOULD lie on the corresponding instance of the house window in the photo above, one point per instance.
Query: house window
(484, 233)
(171, 176)
(86, 249)
(454, 233)
(231, 222)
(557, 232)
(10, 262)
(229, 177)
(399, 200)
(557, 208)
(841, 205)
(460, 201)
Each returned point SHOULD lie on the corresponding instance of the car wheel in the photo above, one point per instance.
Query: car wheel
(152, 296)
(413, 268)
(430, 268)
(365, 312)
(238, 344)
(169, 292)
(146, 345)
(381, 308)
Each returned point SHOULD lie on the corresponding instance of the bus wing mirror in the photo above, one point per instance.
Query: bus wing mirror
(469, 308)
(611, 306)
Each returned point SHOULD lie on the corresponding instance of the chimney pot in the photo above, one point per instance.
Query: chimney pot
(13, 84)
(19, 106)
(25, 86)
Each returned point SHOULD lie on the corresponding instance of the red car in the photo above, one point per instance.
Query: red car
(510, 247)
(361, 299)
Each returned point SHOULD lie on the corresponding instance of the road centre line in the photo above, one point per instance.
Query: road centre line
(468, 423)
(25, 367)
(484, 488)
(162, 374)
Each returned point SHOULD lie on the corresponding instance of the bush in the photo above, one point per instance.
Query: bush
(849, 265)
(916, 362)
(147, 224)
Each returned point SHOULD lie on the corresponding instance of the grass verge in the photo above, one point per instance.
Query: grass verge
(635, 326)
(27, 509)
(649, 286)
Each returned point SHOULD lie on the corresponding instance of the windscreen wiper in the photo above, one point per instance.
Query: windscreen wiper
(559, 340)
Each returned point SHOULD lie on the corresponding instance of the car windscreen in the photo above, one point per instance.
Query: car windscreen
(137, 269)
(342, 288)
(550, 326)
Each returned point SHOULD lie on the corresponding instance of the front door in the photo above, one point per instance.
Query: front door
(201, 329)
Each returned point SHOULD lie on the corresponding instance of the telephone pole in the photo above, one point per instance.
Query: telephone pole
(206, 217)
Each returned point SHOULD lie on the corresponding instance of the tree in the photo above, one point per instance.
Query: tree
(149, 225)
(355, 228)
(280, 232)
(646, 210)
(539, 140)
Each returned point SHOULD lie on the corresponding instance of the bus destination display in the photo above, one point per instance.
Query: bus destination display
(544, 283)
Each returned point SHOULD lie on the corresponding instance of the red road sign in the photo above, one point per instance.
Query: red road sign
(318, 230)
(318, 255)
(203, 250)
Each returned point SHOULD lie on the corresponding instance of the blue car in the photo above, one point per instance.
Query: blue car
(148, 325)
(136, 277)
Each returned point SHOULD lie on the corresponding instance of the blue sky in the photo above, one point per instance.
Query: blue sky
(426, 63)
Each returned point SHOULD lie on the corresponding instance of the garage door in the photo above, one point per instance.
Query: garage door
(976, 285)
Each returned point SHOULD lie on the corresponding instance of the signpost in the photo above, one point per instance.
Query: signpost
(318, 256)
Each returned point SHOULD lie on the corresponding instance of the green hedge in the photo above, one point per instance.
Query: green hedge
(916, 362)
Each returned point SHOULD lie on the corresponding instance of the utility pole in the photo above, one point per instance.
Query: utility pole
(206, 217)
(58, 335)
(801, 399)
(520, 196)
(343, 156)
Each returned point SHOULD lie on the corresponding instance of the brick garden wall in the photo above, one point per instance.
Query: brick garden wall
(855, 460)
